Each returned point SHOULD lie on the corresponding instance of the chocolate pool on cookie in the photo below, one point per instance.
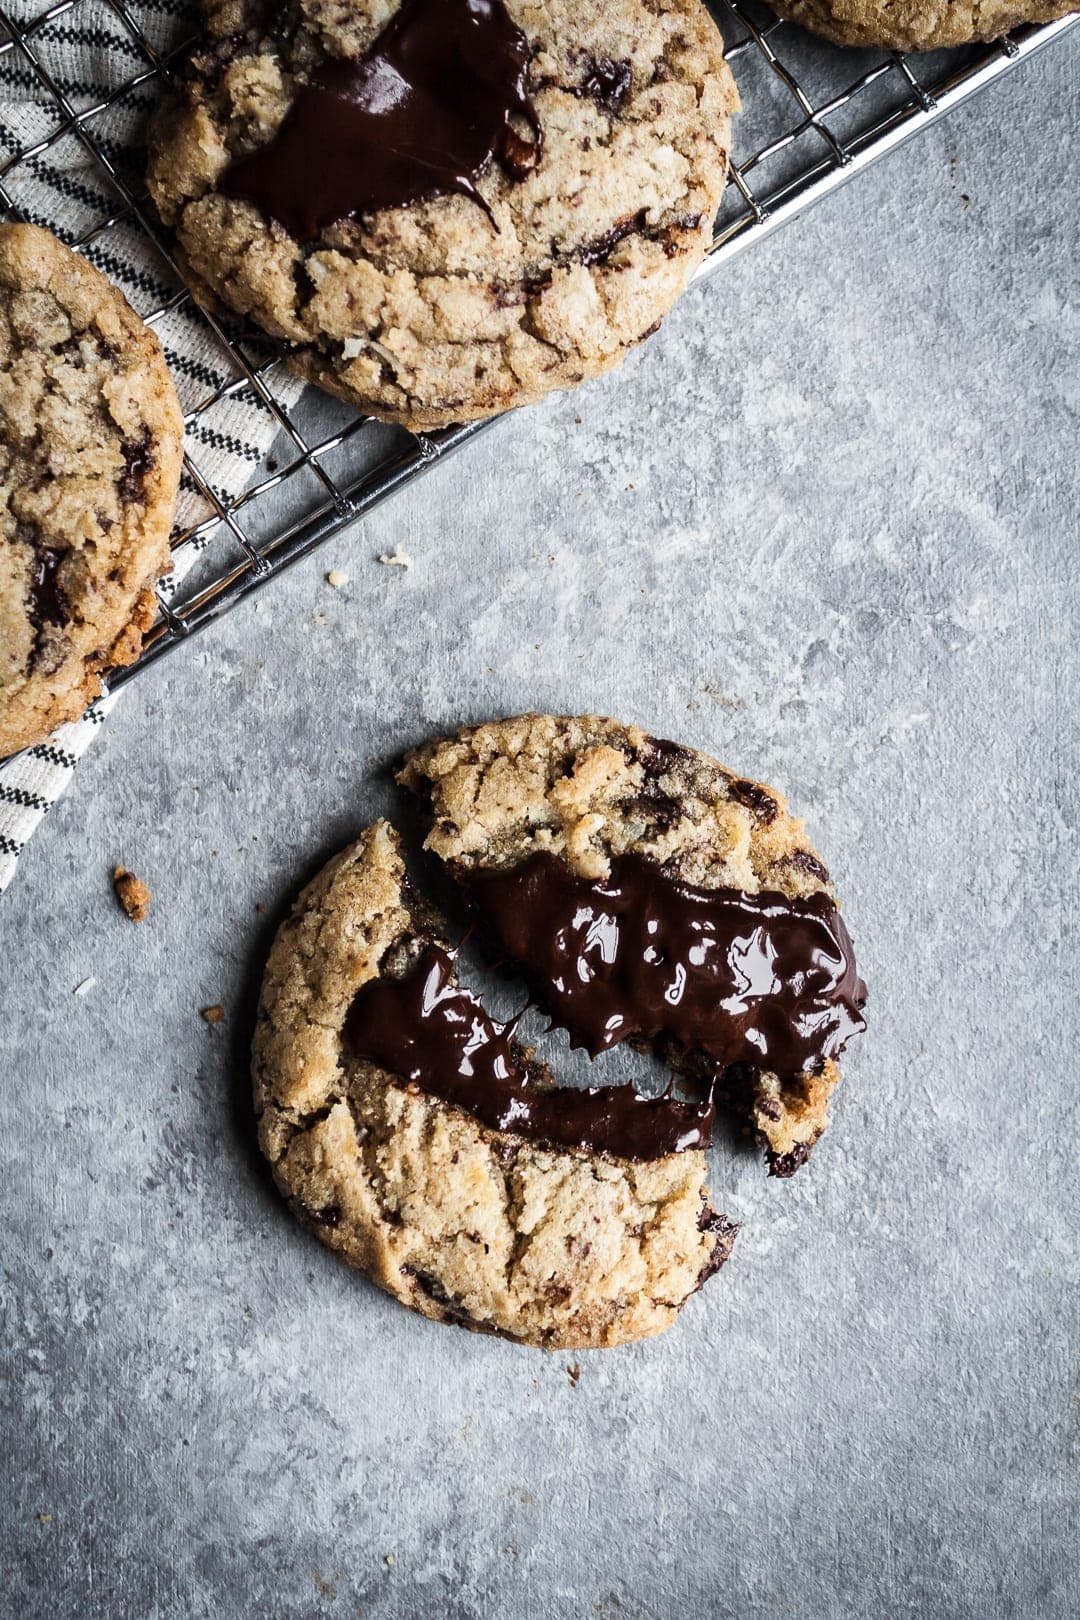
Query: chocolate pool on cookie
(447, 207)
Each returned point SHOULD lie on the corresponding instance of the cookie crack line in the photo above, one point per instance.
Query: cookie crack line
(590, 254)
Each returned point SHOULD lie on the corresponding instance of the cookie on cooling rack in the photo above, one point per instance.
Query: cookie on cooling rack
(90, 451)
(417, 1140)
(646, 893)
(917, 25)
(525, 210)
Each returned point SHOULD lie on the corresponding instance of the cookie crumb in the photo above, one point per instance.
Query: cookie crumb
(214, 1014)
(260, 907)
(389, 1560)
(337, 577)
(132, 894)
(323, 1587)
(44, 1518)
(722, 699)
(573, 1372)
(396, 558)
(85, 986)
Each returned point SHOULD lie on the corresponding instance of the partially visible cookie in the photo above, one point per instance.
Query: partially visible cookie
(593, 851)
(454, 288)
(487, 1227)
(90, 452)
(918, 25)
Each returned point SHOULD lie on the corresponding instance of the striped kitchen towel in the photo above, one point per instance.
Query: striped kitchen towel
(76, 85)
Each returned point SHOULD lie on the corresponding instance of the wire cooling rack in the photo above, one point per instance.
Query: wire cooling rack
(813, 116)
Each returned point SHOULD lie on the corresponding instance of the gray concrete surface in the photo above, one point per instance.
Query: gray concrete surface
(825, 525)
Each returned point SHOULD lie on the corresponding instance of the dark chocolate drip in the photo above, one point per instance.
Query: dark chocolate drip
(422, 113)
(740, 978)
(425, 1029)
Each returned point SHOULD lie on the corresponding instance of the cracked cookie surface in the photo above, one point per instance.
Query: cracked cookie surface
(917, 25)
(428, 314)
(90, 452)
(588, 790)
(465, 1224)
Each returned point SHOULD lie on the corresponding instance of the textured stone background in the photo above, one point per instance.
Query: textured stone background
(826, 526)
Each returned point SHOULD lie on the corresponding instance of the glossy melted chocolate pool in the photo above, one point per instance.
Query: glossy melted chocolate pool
(422, 113)
(756, 979)
(426, 1029)
(743, 978)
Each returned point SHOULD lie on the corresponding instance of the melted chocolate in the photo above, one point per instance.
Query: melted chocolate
(741, 978)
(421, 114)
(425, 1029)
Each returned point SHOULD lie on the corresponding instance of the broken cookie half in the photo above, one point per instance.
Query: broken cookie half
(421, 1142)
(648, 894)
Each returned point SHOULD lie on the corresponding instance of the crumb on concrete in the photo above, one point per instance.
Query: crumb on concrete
(396, 558)
(389, 1560)
(573, 1372)
(84, 986)
(214, 1014)
(337, 577)
(132, 894)
(44, 1518)
(260, 906)
(723, 700)
(323, 1587)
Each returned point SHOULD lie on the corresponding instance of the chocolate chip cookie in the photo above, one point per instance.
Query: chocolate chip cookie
(418, 1140)
(90, 451)
(648, 894)
(447, 207)
(917, 25)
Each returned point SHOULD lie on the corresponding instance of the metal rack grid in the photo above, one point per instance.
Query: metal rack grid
(813, 116)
